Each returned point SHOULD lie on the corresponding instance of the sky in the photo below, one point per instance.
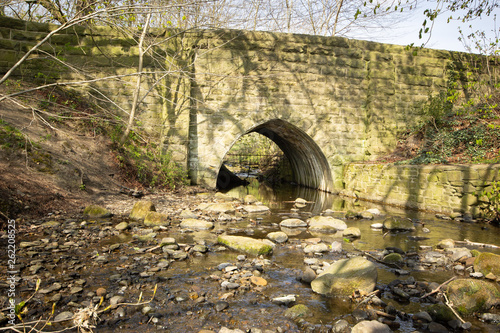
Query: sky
(444, 35)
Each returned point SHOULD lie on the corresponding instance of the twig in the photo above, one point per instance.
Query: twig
(450, 305)
(438, 288)
(468, 242)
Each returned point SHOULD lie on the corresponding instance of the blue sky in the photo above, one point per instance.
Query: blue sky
(444, 35)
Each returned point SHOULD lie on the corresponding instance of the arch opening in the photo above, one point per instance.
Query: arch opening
(309, 165)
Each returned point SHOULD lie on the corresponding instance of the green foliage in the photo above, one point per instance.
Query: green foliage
(492, 204)
(146, 163)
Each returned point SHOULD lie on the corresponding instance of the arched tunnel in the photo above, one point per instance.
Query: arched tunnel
(309, 165)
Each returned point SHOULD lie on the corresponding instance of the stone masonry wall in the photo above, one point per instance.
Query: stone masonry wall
(439, 188)
(328, 101)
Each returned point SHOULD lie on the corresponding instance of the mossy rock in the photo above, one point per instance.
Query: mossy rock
(398, 224)
(486, 263)
(440, 313)
(245, 244)
(153, 219)
(472, 295)
(297, 312)
(393, 258)
(141, 209)
(96, 211)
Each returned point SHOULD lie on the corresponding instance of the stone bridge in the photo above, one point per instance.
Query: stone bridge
(325, 101)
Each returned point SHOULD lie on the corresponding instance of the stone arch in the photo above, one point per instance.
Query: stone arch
(309, 165)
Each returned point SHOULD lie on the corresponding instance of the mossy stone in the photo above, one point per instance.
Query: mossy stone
(393, 258)
(141, 209)
(472, 295)
(440, 313)
(95, 211)
(487, 262)
(156, 219)
(245, 244)
(297, 312)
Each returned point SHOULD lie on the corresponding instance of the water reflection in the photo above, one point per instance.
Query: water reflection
(281, 199)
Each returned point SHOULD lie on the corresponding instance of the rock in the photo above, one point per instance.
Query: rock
(366, 215)
(196, 224)
(187, 214)
(278, 236)
(336, 247)
(249, 199)
(371, 326)
(316, 248)
(491, 317)
(255, 209)
(225, 207)
(351, 215)
(221, 305)
(393, 258)
(326, 224)
(95, 211)
(245, 244)
(458, 253)
(229, 285)
(284, 300)
(487, 263)
(145, 238)
(398, 224)
(446, 244)
(141, 209)
(51, 224)
(476, 275)
(440, 312)
(374, 211)
(122, 226)
(377, 226)
(345, 276)
(293, 223)
(200, 248)
(101, 291)
(167, 241)
(341, 326)
(297, 311)
(223, 196)
(258, 281)
(116, 300)
(437, 328)
(422, 316)
(153, 219)
(308, 275)
(351, 232)
(63, 316)
(471, 295)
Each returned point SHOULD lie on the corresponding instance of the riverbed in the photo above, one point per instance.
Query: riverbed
(78, 260)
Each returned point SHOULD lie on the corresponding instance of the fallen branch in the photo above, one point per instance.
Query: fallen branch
(468, 242)
(450, 305)
(438, 288)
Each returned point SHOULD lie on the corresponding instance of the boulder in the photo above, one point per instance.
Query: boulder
(245, 244)
(293, 223)
(472, 295)
(141, 209)
(316, 248)
(278, 236)
(156, 219)
(326, 224)
(446, 244)
(95, 211)
(345, 276)
(398, 224)
(196, 224)
(487, 262)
